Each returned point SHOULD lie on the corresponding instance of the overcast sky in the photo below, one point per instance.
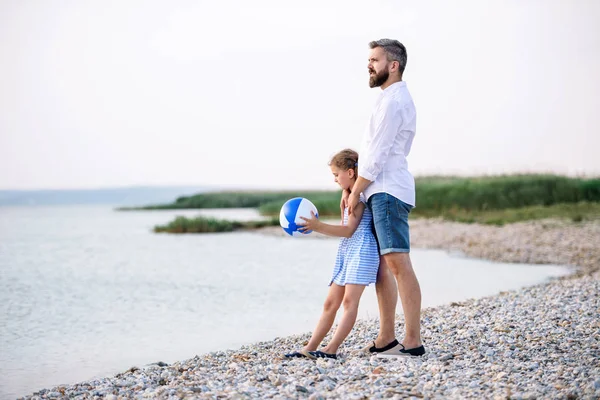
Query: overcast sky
(261, 93)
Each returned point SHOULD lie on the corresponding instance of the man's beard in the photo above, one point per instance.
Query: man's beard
(379, 78)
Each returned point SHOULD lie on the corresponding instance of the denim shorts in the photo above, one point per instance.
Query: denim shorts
(390, 223)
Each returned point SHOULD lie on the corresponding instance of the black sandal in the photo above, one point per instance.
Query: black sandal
(320, 354)
(299, 354)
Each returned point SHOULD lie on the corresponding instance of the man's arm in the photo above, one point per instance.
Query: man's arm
(359, 186)
(344, 202)
(386, 123)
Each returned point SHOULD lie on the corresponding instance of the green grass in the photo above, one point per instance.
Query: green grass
(494, 200)
(502, 192)
(328, 204)
(578, 212)
(575, 212)
(228, 199)
(433, 193)
(211, 225)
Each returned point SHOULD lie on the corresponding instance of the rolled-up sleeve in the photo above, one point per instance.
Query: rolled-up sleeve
(383, 127)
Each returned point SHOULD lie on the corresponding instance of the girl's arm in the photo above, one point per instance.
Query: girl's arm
(347, 231)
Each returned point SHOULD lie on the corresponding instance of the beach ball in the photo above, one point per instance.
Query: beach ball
(290, 214)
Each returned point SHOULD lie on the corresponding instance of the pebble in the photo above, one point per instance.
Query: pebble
(537, 342)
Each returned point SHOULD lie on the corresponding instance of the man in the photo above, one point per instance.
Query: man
(389, 187)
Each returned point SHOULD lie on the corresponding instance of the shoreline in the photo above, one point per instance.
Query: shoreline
(537, 342)
(549, 241)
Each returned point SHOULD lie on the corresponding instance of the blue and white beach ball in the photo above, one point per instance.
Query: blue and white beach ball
(290, 214)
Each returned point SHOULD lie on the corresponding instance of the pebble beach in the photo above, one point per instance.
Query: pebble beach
(541, 342)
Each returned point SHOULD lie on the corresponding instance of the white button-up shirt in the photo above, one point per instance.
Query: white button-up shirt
(387, 142)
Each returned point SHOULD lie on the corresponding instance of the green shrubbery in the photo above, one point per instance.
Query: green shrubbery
(502, 192)
(209, 225)
(575, 212)
(490, 199)
(240, 199)
(433, 193)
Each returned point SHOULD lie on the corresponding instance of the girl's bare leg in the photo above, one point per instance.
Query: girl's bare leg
(350, 301)
(332, 304)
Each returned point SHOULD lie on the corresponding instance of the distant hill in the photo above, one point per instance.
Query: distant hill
(126, 196)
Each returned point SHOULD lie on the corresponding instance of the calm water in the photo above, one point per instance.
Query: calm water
(86, 291)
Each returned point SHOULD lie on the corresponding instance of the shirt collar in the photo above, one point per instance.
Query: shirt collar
(398, 84)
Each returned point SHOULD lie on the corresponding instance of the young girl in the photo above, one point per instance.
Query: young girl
(356, 263)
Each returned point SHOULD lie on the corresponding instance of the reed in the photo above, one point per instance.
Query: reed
(433, 193)
(489, 200)
(211, 225)
(574, 212)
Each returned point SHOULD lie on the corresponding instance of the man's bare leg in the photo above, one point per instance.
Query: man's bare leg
(387, 298)
(400, 266)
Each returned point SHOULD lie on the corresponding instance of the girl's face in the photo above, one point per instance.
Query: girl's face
(343, 178)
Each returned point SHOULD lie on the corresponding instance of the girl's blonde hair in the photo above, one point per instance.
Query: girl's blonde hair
(345, 160)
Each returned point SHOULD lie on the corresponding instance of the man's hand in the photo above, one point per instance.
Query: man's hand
(344, 202)
(311, 224)
(353, 201)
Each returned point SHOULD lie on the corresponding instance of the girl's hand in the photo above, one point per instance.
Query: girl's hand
(311, 224)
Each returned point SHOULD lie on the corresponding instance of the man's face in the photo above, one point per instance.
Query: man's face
(378, 67)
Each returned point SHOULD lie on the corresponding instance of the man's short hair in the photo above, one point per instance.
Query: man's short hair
(394, 50)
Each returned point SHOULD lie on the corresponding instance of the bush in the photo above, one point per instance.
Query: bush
(501, 192)
(210, 225)
(433, 194)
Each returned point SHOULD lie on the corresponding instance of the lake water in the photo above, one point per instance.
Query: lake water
(86, 291)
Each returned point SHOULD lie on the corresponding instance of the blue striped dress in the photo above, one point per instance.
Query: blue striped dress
(357, 259)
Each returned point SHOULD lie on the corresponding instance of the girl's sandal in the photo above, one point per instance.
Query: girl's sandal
(320, 354)
(300, 354)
